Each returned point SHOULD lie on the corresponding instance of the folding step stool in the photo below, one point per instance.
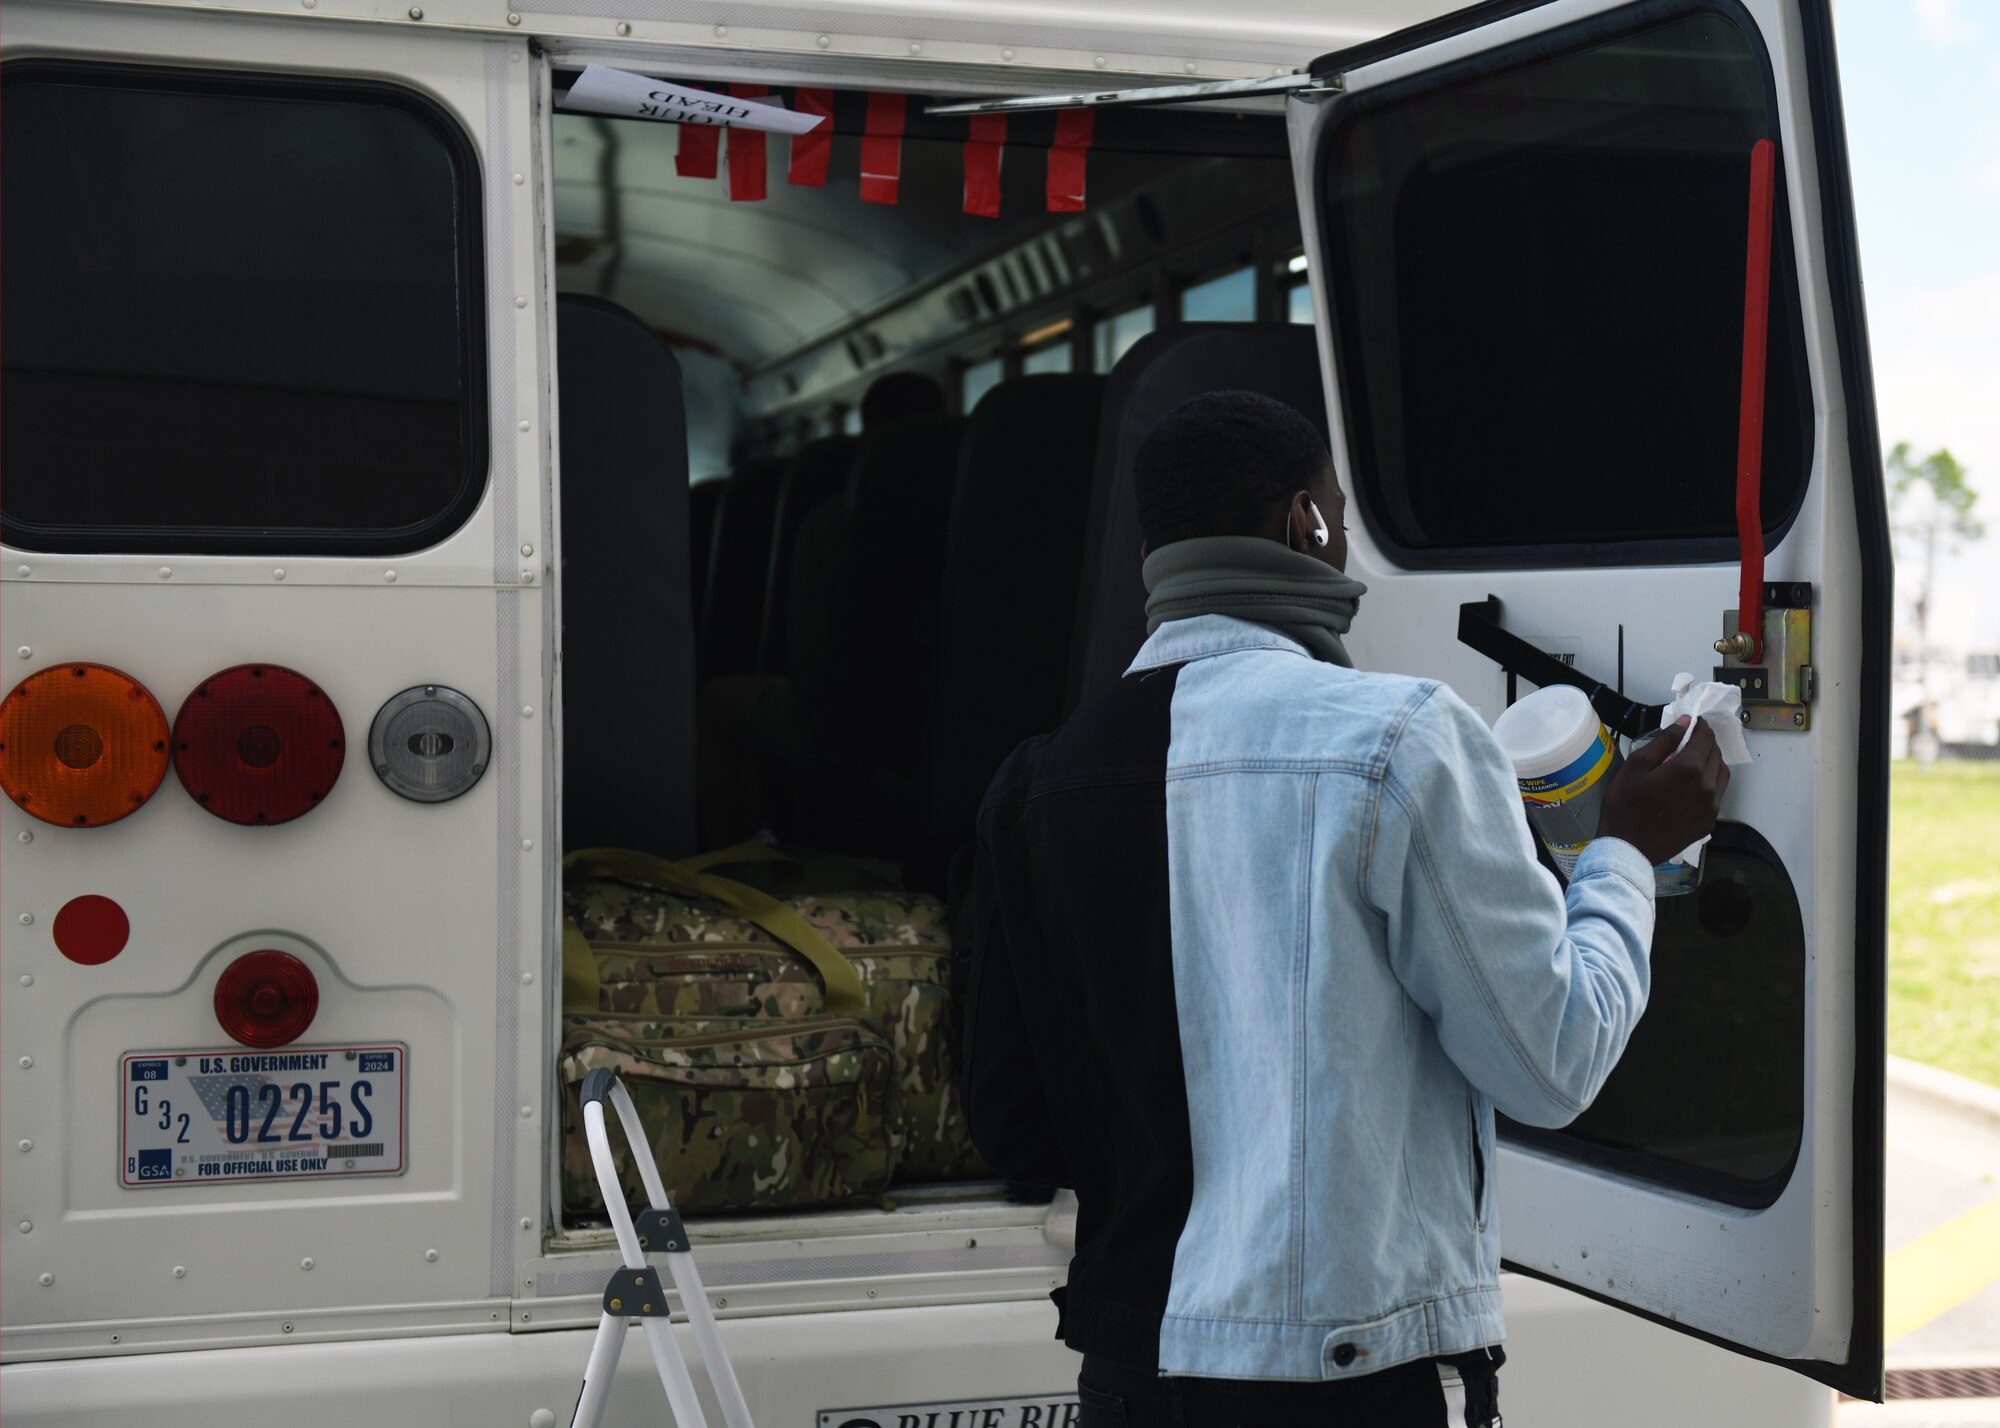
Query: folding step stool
(635, 1291)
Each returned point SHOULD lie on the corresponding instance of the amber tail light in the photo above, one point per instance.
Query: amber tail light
(81, 745)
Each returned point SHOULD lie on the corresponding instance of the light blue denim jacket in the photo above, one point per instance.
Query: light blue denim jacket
(1368, 960)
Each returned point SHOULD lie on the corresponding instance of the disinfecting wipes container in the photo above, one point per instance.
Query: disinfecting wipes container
(1563, 758)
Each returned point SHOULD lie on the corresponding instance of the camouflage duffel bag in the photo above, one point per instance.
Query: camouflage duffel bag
(767, 1113)
(672, 940)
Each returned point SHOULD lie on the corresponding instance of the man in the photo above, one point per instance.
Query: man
(1258, 943)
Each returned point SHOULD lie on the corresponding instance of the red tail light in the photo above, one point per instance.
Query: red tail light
(266, 998)
(81, 745)
(258, 744)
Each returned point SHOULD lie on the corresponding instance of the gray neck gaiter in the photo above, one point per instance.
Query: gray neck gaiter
(1250, 578)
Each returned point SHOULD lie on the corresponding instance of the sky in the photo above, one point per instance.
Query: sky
(1920, 80)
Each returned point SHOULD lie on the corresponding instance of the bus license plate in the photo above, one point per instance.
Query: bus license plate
(295, 1113)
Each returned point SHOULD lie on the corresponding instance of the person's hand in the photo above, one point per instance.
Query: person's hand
(1661, 801)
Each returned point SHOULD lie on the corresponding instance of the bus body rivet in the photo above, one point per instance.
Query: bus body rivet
(26, 836)
(722, 32)
(306, 1263)
(26, 1062)
(520, 179)
(180, 1271)
(166, 572)
(27, 979)
(526, 1112)
(826, 41)
(278, 574)
(416, 12)
(512, 18)
(623, 28)
(1099, 61)
(431, 1256)
(520, 302)
(522, 424)
(527, 1224)
(25, 652)
(27, 1226)
(45, 1279)
(309, 4)
(27, 919)
(27, 1145)
(527, 845)
(527, 711)
(390, 576)
(915, 48)
(285, 1328)
(527, 978)
(527, 577)
(23, 571)
(527, 550)
(1006, 54)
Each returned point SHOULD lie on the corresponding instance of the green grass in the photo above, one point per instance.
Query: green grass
(1944, 916)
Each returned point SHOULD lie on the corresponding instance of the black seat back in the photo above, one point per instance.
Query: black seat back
(1162, 370)
(817, 475)
(628, 617)
(898, 507)
(739, 567)
(1014, 558)
(704, 499)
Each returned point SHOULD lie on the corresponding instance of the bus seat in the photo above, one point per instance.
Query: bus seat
(1162, 370)
(817, 475)
(739, 567)
(628, 613)
(1018, 516)
(898, 507)
(704, 497)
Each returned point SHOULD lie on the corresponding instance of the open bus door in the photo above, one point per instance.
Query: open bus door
(1530, 233)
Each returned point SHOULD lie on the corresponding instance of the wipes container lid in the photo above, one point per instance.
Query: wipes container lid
(1547, 731)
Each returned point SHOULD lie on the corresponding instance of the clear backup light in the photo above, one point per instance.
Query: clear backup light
(429, 744)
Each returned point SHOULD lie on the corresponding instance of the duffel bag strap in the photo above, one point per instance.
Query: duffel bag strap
(844, 992)
(751, 852)
(579, 969)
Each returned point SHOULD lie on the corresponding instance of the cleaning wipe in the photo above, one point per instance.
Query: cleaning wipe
(1720, 707)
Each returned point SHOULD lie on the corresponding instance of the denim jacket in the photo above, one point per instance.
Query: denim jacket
(1257, 944)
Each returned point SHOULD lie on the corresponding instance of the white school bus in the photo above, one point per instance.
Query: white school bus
(409, 477)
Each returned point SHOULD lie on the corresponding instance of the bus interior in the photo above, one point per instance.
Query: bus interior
(866, 530)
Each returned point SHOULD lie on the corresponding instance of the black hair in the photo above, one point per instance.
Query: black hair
(1219, 463)
(899, 396)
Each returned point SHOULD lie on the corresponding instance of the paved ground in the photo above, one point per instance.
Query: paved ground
(1944, 1257)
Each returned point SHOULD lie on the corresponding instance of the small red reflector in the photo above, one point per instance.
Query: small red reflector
(91, 929)
(266, 998)
(258, 744)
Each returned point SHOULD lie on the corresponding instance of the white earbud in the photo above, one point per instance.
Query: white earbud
(1320, 536)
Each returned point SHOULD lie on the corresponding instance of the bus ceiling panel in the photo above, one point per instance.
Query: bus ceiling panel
(1131, 36)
